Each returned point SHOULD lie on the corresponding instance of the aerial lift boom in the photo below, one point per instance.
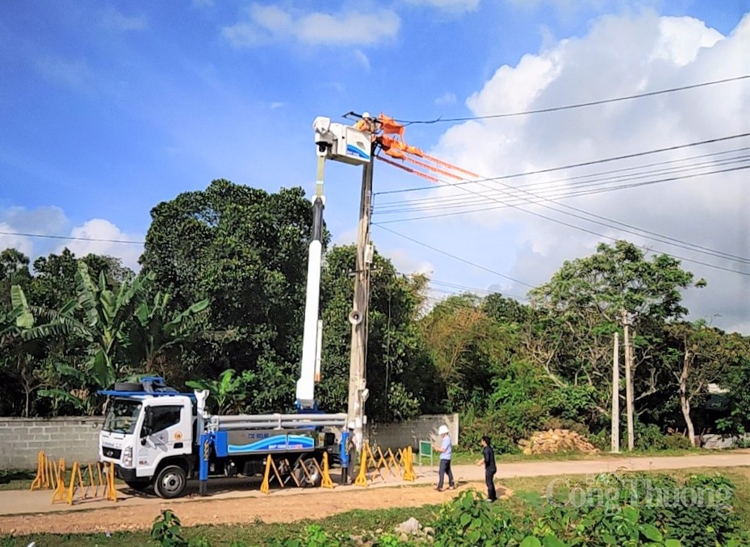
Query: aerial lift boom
(345, 144)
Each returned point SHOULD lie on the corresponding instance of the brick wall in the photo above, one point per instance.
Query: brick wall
(77, 438)
(74, 438)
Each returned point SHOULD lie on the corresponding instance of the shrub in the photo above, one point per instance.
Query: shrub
(467, 520)
(166, 530)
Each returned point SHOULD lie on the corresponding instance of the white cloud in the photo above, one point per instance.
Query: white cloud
(407, 263)
(568, 7)
(446, 98)
(276, 105)
(113, 19)
(608, 62)
(24, 229)
(75, 74)
(362, 59)
(347, 237)
(9, 239)
(110, 241)
(449, 5)
(270, 23)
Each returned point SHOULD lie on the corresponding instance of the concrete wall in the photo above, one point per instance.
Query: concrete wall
(424, 428)
(75, 439)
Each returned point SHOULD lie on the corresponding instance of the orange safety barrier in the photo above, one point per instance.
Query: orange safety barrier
(49, 473)
(100, 477)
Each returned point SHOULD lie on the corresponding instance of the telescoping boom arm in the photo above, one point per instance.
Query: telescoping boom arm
(348, 145)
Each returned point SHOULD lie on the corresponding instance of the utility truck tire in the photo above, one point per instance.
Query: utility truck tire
(128, 386)
(170, 482)
(314, 478)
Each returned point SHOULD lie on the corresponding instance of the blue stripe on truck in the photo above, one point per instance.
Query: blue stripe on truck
(278, 442)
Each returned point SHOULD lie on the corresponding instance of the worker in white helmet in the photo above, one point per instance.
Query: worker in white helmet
(446, 451)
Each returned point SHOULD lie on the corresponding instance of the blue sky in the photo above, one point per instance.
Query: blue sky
(107, 108)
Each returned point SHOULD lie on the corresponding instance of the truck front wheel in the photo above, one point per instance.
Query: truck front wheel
(170, 482)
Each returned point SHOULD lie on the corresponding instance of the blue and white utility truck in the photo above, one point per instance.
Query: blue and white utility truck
(157, 437)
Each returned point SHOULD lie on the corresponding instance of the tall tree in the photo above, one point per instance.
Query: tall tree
(616, 285)
(699, 356)
(245, 250)
(399, 373)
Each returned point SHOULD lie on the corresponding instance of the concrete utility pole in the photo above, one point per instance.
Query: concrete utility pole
(628, 379)
(358, 392)
(616, 394)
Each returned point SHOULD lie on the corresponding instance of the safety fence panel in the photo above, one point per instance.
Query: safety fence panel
(92, 482)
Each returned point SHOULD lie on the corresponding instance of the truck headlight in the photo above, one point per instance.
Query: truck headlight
(127, 456)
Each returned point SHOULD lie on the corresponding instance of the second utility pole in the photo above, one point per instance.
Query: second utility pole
(358, 357)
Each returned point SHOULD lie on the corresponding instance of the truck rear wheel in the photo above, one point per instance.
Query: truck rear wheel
(170, 482)
(314, 479)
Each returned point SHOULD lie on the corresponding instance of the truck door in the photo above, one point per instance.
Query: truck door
(166, 431)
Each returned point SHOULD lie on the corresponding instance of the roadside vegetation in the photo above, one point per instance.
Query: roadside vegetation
(617, 510)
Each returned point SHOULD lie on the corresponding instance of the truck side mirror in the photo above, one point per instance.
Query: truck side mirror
(148, 423)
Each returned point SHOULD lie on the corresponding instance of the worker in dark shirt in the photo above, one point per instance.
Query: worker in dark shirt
(489, 468)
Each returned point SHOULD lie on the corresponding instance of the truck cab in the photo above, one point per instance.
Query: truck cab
(150, 440)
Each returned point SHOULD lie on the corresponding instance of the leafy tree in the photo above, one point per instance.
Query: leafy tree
(399, 374)
(14, 270)
(246, 251)
(54, 283)
(700, 355)
(468, 348)
(588, 298)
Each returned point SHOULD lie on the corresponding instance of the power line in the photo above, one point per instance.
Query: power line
(569, 182)
(475, 290)
(592, 188)
(573, 106)
(72, 238)
(452, 256)
(574, 165)
(536, 199)
(563, 223)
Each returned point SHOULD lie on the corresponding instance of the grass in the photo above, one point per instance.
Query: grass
(11, 479)
(527, 492)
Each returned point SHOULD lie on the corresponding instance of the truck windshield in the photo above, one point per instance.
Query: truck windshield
(122, 416)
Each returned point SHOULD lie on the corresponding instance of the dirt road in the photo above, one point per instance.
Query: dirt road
(231, 502)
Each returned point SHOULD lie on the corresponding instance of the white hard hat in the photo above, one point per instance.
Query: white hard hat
(351, 425)
(443, 430)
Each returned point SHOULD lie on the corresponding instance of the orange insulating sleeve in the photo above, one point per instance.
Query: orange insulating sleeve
(434, 169)
(390, 127)
(408, 169)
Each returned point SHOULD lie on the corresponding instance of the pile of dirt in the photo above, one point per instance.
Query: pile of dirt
(556, 440)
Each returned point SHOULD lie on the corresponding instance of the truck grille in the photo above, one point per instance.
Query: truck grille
(113, 453)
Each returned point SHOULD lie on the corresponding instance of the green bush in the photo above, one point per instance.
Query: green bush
(469, 521)
(635, 508)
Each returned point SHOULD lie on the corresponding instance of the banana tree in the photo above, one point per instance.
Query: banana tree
(228, 392)
(103, 321)
(155, 330)
(19, 351)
